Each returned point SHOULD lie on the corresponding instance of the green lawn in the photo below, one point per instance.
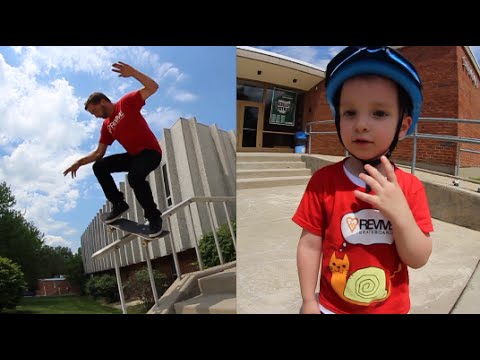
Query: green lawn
(61, 305)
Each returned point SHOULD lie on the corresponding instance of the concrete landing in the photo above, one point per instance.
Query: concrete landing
(267, 280)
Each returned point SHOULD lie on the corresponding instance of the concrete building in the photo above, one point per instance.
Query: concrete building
(198, 160)
(451, 80)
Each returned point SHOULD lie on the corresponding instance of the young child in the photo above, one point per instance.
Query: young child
(365, 220)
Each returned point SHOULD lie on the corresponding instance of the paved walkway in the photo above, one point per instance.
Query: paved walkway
(267, 275)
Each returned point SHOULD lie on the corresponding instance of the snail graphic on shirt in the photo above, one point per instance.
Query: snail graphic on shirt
(362, 287)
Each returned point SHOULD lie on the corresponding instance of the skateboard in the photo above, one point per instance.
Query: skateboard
(132, 227)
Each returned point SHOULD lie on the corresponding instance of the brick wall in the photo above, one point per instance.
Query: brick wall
(469, 108)
(55, 288)
(448, 93)
(163, 264)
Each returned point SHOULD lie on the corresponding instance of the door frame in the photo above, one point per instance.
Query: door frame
(241, 104)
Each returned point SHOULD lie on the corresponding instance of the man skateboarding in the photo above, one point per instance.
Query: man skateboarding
(124, 122)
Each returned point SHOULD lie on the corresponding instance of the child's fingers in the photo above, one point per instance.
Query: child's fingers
(370, 181)
(389, 170)
(375, 174)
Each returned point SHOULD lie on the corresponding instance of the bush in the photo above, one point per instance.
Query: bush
(12, 284)
(104, 286)
(208, 249)
(138, 286)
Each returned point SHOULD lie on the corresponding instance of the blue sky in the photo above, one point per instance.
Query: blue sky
(44, 127)
(321, 55)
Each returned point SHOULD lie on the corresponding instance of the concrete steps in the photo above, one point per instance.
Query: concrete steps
(260, 170)
(217, 295)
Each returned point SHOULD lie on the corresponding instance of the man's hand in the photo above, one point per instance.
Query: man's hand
(123, 69)
(73, 169)
(389, 197)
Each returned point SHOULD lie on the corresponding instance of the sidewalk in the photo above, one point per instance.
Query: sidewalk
(267, 275)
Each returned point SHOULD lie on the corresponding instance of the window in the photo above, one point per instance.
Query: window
(168, 193)
(249, 91)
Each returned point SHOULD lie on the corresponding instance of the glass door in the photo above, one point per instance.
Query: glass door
(249, 125)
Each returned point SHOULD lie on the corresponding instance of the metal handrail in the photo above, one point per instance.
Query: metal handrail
(415, 136)
(115, 246)
(200, 199)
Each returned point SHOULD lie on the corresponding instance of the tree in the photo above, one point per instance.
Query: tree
(103, 286)
(74, 271)
(54, 260)
(20, 240)
(139, 286)
(12, 284)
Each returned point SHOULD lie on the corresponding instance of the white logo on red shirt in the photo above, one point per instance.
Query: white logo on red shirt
(368, 226)
(115, 121)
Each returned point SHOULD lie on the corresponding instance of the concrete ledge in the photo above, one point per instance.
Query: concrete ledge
(314, 162)
(453, 205)
(220, 283)
(208, 304)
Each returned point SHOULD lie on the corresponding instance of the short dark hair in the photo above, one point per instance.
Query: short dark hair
(95, 99)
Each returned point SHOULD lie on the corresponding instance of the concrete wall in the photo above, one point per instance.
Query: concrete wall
(200, 161)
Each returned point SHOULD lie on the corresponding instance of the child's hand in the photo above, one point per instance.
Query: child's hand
(388, 197)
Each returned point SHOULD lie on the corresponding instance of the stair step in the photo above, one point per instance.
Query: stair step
(271, 182)
(224, 282)
(258, 173)
(270, 165)
(256, 157)
(208, 304)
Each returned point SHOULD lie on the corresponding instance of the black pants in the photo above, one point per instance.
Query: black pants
(138, 167)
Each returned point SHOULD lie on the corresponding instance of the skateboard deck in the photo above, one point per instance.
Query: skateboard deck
(133, 228)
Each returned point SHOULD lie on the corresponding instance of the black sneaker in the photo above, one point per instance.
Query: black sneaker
(118, 210)
(155, 226)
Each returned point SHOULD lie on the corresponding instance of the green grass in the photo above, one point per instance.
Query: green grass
(61, 305)
(136, 309)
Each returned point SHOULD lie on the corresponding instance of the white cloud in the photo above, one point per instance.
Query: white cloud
(42, 132)
(163, 117)
(41, 136)
(87, 59)
(303, 53)
(168, 70)
(184, 96)
(53, 241)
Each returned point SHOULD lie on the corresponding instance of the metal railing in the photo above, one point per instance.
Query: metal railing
(415, 136)
(209, 200)
(120, 242)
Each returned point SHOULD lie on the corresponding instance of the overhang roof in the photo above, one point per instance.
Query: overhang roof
(265, 66)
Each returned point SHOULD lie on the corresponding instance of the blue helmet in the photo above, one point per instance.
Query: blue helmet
(377, 60)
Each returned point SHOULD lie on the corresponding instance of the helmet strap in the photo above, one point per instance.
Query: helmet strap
(375, 160)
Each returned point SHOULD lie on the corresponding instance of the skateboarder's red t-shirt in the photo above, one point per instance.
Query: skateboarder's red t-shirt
(128, 126)
(361, 271)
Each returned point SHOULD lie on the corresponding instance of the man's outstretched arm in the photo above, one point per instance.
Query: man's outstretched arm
(96, 154)
(125, 70)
